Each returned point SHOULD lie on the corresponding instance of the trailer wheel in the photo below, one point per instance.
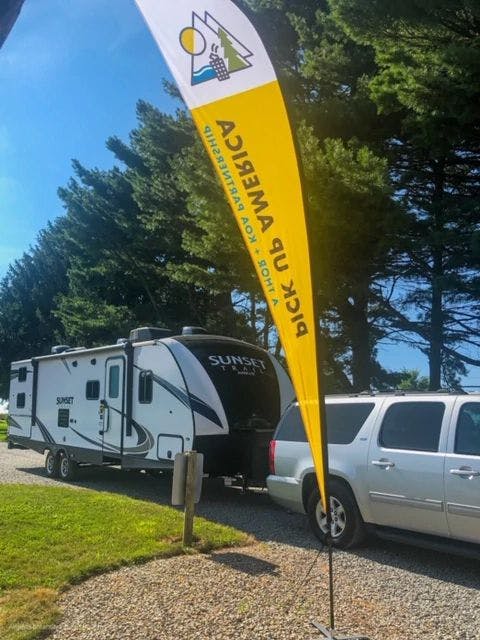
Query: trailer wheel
(67, 467)
(52, 464)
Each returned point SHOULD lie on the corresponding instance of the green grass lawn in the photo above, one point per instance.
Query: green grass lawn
(51, 537)
(3, 429)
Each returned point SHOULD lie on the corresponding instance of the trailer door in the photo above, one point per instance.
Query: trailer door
(114, 411)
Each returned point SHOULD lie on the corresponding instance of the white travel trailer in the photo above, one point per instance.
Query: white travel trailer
(139, 402)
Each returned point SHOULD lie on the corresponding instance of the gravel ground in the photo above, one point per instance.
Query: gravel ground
(383, 590)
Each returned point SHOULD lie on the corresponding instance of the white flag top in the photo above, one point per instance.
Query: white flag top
(214, 31)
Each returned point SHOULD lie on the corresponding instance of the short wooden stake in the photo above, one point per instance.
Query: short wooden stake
(190, 498)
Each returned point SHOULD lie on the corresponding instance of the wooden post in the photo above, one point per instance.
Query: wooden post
(190, 498)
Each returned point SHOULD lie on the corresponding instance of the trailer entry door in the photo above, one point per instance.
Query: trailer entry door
(114, 414)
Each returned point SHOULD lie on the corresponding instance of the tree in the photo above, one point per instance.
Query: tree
(171, 176)
(411, 380)
(356, 225)
(28, 299)
(428, 78)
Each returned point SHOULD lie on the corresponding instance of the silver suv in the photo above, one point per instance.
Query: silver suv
(401, 463)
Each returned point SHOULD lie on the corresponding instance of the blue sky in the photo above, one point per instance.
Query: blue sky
(70, 75)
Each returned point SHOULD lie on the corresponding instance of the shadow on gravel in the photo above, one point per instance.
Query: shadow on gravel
(257, 515)
(442, 566)
(245, 563)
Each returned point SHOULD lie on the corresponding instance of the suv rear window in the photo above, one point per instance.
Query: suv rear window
(344, 421)
(412, 425)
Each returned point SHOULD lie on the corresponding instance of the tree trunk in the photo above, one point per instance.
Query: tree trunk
(436, 312)
(266, 329)
(253, 314)
(436, 325)
(358, 329)
(226, 313)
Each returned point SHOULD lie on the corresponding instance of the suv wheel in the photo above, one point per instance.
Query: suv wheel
(348, 529)
(52, 464)
(67, 468)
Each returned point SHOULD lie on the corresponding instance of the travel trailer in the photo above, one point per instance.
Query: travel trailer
(139, 402)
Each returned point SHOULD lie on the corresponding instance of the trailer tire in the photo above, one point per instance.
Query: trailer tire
(52, 464)
(67, 468)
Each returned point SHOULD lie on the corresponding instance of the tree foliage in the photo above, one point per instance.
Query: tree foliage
(384, 100)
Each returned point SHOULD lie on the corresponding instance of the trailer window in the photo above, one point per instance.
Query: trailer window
(63, 418)
(22, 374)
(20, 400)
(114, 381)
(92, 390)
(145, 387)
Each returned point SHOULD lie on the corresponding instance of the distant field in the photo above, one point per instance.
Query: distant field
(3, 428)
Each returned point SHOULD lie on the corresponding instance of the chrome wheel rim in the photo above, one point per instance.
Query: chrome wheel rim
(339, 517)
(50, 463)
(64, 466)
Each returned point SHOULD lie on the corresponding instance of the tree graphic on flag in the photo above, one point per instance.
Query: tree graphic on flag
(234, 60)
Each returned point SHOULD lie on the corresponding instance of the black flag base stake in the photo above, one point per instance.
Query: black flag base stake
(328, 633)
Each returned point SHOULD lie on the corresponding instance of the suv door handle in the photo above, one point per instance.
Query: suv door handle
(465, 472)
(383, 463)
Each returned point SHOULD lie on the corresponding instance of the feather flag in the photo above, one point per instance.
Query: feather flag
(228, 82)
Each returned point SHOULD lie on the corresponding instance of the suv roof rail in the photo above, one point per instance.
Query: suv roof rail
(399, 392)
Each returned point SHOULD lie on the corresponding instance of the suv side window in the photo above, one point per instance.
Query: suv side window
(412, 425)
(344, 421)
(467, 437)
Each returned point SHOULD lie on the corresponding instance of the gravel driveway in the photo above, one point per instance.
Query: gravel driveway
(384, 591)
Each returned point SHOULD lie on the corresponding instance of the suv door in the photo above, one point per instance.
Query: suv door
(405, 466)
(462, 473)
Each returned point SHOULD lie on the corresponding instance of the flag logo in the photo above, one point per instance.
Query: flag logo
(214, 51)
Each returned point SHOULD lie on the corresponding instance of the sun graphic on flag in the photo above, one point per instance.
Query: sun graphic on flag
(193, 41)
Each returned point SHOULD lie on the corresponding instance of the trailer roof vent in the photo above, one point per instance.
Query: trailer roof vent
(59, 348)
(149, 333)
(70, 349)
(193, 331)
(122, 341)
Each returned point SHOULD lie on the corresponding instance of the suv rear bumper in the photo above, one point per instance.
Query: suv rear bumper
(286, 492)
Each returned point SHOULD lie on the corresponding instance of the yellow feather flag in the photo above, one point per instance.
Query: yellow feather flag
(227, 80)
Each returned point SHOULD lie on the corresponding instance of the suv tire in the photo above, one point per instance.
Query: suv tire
(349, 529)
